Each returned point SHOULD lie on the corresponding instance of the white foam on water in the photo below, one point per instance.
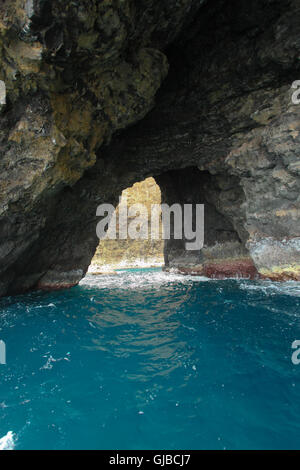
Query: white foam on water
(273, 288)
(7, 442)
(139, 279)
(51, 360)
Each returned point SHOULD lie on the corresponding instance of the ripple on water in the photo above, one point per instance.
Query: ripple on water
(147, 359)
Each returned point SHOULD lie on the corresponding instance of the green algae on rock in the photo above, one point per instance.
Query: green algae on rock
(100, 95)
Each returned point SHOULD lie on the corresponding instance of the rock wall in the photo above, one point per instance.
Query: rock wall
(100, 95)
(118, 253)
(224, 253)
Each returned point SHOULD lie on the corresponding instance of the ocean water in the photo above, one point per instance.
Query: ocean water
(148, 360)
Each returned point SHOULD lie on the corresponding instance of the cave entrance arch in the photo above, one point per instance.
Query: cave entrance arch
(61, 255)
(224, 253)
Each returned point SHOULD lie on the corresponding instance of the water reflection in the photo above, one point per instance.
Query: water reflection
(141, 325)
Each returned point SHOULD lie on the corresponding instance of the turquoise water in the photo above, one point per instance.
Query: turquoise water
(147, 360)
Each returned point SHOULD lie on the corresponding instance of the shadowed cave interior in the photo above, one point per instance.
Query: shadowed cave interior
(224, 236)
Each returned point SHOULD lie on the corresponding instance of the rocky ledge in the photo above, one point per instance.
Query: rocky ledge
(96, 96)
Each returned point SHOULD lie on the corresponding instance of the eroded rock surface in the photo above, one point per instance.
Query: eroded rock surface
(100, 95)
(141, 249)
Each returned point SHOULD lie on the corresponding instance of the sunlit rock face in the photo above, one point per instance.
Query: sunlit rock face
(99, 95)
(145, 247)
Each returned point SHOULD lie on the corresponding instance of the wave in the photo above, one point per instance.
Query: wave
(133, 279)
(7, 442)
(152, 278)
(273, 288)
